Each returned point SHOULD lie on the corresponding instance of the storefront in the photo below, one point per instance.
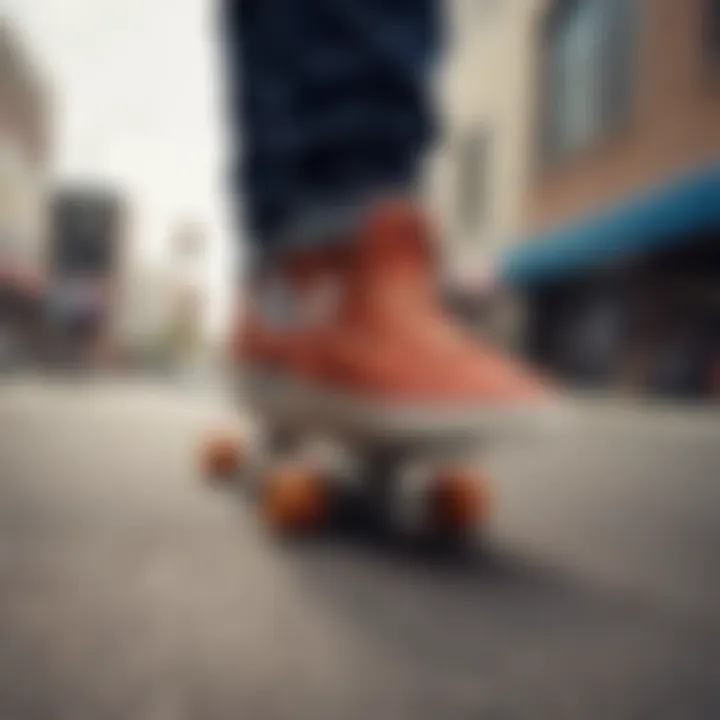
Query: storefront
(630, 297)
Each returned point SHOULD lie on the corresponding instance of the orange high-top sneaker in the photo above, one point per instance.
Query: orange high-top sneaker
(352, 339)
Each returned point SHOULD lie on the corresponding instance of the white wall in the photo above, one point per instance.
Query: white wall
(487, 84)
(23, 211)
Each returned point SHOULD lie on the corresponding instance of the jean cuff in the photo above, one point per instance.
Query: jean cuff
(328, 223)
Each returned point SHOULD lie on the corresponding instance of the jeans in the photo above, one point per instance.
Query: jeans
(330, 100)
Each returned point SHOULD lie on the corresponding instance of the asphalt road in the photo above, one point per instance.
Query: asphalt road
(130, 590)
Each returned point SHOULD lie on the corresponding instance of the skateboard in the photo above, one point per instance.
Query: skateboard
(303, 482)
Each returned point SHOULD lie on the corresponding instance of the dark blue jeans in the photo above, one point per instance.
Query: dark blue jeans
(329, 106)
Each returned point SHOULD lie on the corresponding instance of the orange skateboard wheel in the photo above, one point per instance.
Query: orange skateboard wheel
(295, 498)
(222, 456)
(458, 499)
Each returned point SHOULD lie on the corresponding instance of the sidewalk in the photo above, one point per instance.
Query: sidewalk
(635, 413)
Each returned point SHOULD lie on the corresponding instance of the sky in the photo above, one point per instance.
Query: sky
(137, 105)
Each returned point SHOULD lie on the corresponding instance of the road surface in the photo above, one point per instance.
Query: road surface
(130, 590)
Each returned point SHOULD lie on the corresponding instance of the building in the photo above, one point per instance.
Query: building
(481, 172)
(148, 308)
(164, 303)
(480, 175)
(25, 121)
(189, 250)
(86, 267)
(621, 257)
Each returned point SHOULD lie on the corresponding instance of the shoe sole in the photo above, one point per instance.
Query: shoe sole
(286, 401)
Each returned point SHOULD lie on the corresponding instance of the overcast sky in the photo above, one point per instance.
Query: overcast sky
(137, 104)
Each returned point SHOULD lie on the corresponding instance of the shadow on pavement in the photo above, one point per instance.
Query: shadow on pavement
(502, 619)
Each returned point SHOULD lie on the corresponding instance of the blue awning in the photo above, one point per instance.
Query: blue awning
(663, 217)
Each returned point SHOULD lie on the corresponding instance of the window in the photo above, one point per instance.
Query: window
(473, 180)
(588, 60)
(712, 29)
(84, 234)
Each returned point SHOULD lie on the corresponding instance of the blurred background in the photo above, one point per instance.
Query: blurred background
(114, 245)
(582, 161)
(576, 180)
(577, 184)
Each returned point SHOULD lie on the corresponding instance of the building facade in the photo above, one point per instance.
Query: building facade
(164, 303)
(24, 155)
(643, 104)
(621, 262)
(482, 167)
(481, 172)
(86, 268)
(25, 121)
